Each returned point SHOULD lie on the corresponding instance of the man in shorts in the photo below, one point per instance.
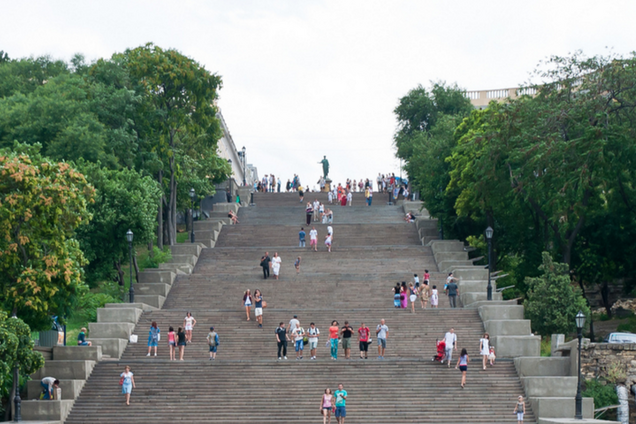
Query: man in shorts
(341, 403)
(363, 337)
(298, 334)
(313, 333)
(382, 332)
(213, 342)
(313, 239)
(258, 309)
(346, 332)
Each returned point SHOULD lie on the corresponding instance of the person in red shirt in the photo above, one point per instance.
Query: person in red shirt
(363, 334)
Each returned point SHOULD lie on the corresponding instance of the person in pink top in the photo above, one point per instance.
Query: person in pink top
(326, 405)
(172, 343)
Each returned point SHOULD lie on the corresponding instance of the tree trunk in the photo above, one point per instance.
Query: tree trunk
(580, 281)
(120, 273)
(172, 206)
(160, 214)
(605, 298)
(151, 251)
(136, 269)
(8, 412)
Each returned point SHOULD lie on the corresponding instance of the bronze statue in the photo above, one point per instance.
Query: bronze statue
(325, 166)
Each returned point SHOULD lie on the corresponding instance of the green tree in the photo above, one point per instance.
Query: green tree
(16, 349)
(553, 301)
(26, 75)
(419, 111)
(179, 113)
(123, 200)
(41, 205)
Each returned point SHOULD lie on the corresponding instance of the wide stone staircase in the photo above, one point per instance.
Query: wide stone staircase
(373, 249)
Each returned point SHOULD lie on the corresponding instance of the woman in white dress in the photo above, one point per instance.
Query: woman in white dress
(276, 264)
(189, 322)
(484, 348)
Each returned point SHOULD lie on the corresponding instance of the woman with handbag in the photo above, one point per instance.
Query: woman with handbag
(326, 403)
(127, 383)
(153, 337)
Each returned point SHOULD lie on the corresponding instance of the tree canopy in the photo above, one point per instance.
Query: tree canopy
(552, 171)
(42, 203)
(137, 131)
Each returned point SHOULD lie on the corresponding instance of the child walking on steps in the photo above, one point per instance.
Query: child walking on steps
(520, 409)
(434, 297)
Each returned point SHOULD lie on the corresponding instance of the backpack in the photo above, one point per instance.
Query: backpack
(212, 339)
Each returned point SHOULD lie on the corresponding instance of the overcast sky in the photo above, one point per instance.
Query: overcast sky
(303, 79)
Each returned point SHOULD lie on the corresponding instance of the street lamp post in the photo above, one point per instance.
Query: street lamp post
(244, 165)
(489, 232)
(193, 196)
(580, 322)
(229, 183)
(17, 400)
(131, 292)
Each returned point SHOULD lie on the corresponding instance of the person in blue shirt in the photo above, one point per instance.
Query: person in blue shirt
(341, 402)
(81, 338)
(301, 237)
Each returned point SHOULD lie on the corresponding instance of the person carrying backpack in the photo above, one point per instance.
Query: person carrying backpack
(213, 341)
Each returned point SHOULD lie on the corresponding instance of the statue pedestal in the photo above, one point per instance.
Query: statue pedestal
(327, 188)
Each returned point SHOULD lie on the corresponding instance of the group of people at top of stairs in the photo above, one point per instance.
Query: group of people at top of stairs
(338, 336)
(384, 183)
(403, 294)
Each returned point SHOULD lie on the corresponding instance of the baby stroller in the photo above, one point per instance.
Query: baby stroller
(441, 351)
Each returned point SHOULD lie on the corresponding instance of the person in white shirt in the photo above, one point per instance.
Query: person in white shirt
(299, 334)
(330, 197)
(330, 232)
(328, 241)
(450, 338)
(313, 239)
(313, 334)
(293, 323)
(349, 198)
(276, 260)
(316, 206)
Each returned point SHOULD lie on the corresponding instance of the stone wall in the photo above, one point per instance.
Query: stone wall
(614, 362)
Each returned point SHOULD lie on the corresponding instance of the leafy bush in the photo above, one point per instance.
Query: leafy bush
(629, 326)
(89, 302)
(552, 301)
(157, 258)
(603, 394)
(546, 346)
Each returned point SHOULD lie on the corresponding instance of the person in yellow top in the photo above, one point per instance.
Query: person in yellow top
(301, 193)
